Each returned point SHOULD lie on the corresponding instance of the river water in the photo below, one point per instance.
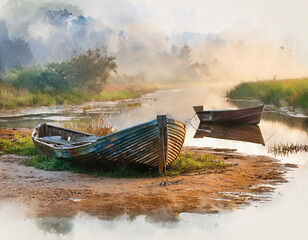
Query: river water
(285, 217)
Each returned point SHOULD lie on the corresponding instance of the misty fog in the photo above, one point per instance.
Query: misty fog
(247, 48)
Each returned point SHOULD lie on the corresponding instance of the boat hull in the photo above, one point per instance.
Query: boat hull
(138, 145)
(239, 116)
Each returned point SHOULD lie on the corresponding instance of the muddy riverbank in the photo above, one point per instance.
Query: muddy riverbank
(248, 179)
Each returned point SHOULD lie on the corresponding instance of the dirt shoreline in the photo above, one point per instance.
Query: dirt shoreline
(64, 194)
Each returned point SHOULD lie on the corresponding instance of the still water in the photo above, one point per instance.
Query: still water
(285, 217)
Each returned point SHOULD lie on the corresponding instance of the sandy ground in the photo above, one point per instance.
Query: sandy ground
(48, 193)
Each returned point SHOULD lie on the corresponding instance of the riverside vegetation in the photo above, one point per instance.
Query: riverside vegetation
(87, 77)
(292, 92)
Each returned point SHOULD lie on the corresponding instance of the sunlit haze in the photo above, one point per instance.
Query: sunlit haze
(241, 40)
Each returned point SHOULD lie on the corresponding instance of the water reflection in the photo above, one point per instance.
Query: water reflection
(30, 117)
(291, 121)
(239, 132)
(290, 118)
(54, 225)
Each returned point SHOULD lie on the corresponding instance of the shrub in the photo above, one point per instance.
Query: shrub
(88, 72)
(40, 79)
(18, 145)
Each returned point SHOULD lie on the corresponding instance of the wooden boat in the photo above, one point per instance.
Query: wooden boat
(245, 115)
(239, 132)
(152, 144)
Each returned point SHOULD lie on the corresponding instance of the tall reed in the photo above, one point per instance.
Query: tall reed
(286, 149)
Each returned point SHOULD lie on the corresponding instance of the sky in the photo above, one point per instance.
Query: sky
(281, 17)
(255, 32)
(284, 20)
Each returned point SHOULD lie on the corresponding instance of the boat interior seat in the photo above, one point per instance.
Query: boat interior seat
(58, 140)
(65, 146)
(90, 138)
(55, 140)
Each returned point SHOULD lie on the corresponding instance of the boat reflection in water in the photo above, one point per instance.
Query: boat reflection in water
(239, 132)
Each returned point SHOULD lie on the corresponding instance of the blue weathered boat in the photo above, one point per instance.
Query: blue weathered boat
(156, 143)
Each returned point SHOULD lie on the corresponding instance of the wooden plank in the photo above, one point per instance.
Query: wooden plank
(162, 141)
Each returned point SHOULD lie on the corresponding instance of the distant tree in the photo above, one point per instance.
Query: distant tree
(15, 53)
(123, 45)
(4, 33)
(57, 17)
(79, 29)
(174, 51)
(185, 54)
(86, 72)
(201, 69)
(1, 68)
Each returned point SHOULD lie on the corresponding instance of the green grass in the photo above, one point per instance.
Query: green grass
(48, 164)
(185, 162)
(14, 98)
(17, 145)
(55, 164)
(118, 95)
(292, 92)
(121, 90)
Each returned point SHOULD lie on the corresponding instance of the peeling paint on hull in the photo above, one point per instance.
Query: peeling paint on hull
(137, 145)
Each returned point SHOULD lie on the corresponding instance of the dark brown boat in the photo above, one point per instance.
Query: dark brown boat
(153, 144)
(243, 116)
(238, 132)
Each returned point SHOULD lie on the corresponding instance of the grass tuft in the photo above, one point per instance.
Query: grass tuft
(97, 126)
(286, 149)
(18, 145)
(185, 162)
(49, 164)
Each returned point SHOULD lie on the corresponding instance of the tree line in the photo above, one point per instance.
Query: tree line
(84, 73)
